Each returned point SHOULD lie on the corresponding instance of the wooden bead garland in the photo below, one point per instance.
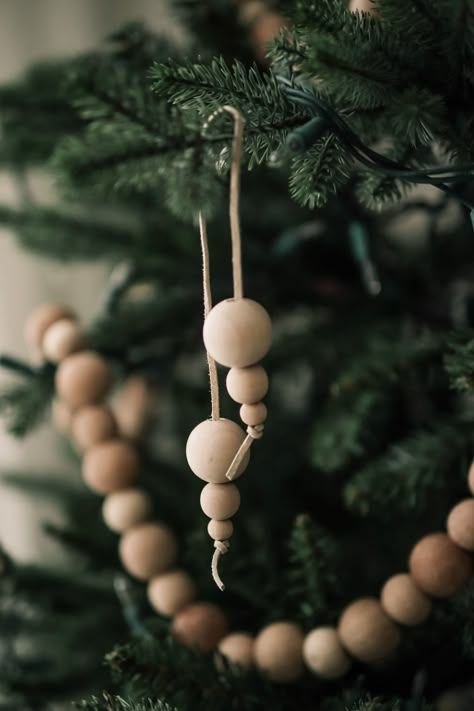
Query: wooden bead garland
(125, 509)
(279, 652)
(404, 602)
(200, 625)
(40, 320)
(238, 647)
(147, 550)
(438, 567)
(171, 592)
(61, 339)
(460, 524)
(82, 379)
(92, 424)
(324, 654)
(110, 466)
(367, 632)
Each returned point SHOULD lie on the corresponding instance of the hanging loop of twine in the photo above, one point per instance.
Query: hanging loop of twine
(221, 548)
(206, 283)
(253, 432)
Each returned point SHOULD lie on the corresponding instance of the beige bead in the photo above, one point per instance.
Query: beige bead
(125, 509)
(220, 530)
(238, 648)
(361, 5)
(62, 416)
(110, 466)
(278, 652)
(199, 625)
(92, 424)
(470, 478)
(148, 550)
(171, 592)
(212, 446)
(237, 332)
(439, 568)
(41, 319)
(254, 414)
(61, 339)
(404, 602)
(133, 407)
(83, 378)
(247, 385)
(324, 654)
(460, 524)
(367, 632)
(220, 501)
(265, 27)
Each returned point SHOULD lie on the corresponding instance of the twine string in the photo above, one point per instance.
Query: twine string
(253, 432)
(206, 283)
(221, 548)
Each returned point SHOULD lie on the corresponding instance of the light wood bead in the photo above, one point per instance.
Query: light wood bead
(220, 530)
(470, 478)
(171, 592)
(367, 632)
(278, 652)
(264, 28)
(61, 339)
(125, 509)
(361, 5)
(62, 416)
(247, 385)
(324, 654)
(110, 466)
(460, 524)
(404, 602)
(93, 424)
(220, 501)
(200, 625)
(254, 414)
(237, 332)
(148, 550)
(238, 647)
(83, 379)
(211, 447)
(133, 407)
(41, 319)
(439, 568)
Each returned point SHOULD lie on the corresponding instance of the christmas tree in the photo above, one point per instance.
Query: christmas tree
(347, 581)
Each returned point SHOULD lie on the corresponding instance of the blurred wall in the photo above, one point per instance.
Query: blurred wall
(31, 30)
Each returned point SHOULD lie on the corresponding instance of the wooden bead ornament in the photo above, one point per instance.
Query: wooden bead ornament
(220, 501)
(83, 379)
(279, 652)
(61, 339)
(460, 524)
(211, 449)
(171, 592)
(367, 632)
(126, 508)
(110, 466)
(148, 550)
(40, 320)
(238, 647)
(200, 625)
(247, 385)
(404, 602)
(220, 530)
(324, 654)
(438, 566)
(92, 424)
(253, 414)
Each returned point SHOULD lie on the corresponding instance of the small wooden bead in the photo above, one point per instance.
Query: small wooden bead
(361, 5)
(324, 654)
(41, 319)
(238, 647)
(254, 414)
(279, 652)
(247, 385)
(126, 508)
(211, 447)
(148, 550)
(199, 625)
(460, 524)
(171, 592)
(83, 379)
(439, 568)
(220, 501)
(470, 478)
(62, 416)
(61, 339)
(265, 27)
(93, 424)
(237, 332)
(367, 632)
(133, 407)
(220, 530)
(110, 466)
(403, 602)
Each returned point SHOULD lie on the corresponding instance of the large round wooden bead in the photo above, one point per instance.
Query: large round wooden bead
(199, 625)
(41, 319)
(148, 550)
(460, 524)
(237, 332)
(404, 602)
(171, 592)
(367, 632)
(61, 339)
(220, 501)
(254, 414)
(278, 652)
(324, 654)
(238, 647)
(93, 424)
(211, 448)
(220, 530)
(126, 508)
(439, 568)
(83, 378)
(247, 385)
(110, 466)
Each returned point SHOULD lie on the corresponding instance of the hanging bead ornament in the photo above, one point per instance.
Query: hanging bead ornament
(237, 333)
